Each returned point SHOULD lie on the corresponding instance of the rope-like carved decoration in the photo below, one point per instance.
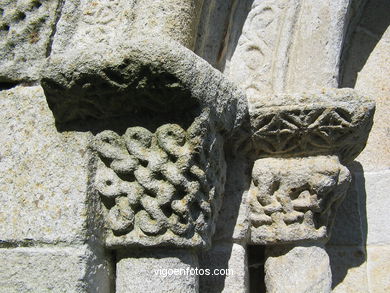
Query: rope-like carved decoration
(158, 188)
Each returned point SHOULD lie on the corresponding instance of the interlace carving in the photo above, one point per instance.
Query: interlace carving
(159, 188)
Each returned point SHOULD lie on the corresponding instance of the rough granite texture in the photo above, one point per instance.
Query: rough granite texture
(157, 271)
(140, 74)
(349, 269)
(26, 28)
(53, 269)
(322, 122)
(101, 24)
(297, 269)
(143, 132)
(226, 256)
(43, 173)
(161, 188)
(289, 46)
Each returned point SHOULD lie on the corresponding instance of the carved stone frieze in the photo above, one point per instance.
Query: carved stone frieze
(295, 200)
(161, 188)
(333, 121)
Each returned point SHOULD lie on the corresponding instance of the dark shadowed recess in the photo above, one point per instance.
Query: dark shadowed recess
(7, 85)
(340, 261)
(256, 259)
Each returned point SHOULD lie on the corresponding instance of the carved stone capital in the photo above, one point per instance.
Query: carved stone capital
(297, 142)
(161, 188)
(295, 200)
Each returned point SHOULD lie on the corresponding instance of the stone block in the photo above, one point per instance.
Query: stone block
(26, 27)
(297, 269)
(106, 23)
(378, 259)
(44, 180)
(233, 220)
(377, 188)
(66, 269)
(232, 259)
(157, 271)
(349, 269)
(86, 23)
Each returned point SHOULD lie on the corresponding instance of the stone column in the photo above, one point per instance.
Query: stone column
(176, 19)
(295, 192)
(293, 202)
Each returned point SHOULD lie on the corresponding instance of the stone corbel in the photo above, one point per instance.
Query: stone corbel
(299, 144)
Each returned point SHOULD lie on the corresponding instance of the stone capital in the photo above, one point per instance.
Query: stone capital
(295, 200)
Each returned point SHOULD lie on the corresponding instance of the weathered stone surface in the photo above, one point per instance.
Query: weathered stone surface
(165, 81)
(86, 24)
(176, 19)
(163, 188)
(332, 121)
(377, 190)
(233, 219)
(373, 81)
(156, 271)
(289, 46)
(43, 173)
(297, 269)
(213, 30)
(26, 27)
(143, 76)
(100, 24)
(52, 270)
(378, 259)
(295, 200)
(350, 227)
(232, 258)
(349, 269)
(219, 30)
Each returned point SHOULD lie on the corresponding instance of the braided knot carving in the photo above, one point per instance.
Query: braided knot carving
(158, 188)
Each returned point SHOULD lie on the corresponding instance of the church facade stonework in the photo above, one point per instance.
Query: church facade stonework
(194, 146)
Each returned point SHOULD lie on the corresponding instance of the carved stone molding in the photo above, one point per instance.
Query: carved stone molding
(331, 121)
(295, 200)
(276, 52)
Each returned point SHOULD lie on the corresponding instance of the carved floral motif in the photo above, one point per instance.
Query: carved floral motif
(329, 122)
